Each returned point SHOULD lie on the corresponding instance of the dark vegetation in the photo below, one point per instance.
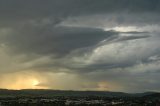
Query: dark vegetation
(76, 98)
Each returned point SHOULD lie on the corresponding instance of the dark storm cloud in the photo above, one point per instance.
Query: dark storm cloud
(36, 25)
(21, 10)
(54, 40)
(117, 39)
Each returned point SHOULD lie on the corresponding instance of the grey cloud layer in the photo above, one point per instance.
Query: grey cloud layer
(21, 10)
(84, 37)
(54, 40)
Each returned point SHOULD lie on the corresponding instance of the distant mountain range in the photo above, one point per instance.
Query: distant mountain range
(52, 93)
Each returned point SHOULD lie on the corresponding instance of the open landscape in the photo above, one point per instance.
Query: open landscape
(79, 52)
(76, 98)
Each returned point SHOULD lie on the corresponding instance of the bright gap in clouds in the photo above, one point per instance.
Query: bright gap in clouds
(123, 28)
(35, 82)
(147, 28)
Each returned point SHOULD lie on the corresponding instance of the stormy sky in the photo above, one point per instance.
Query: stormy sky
(111, 45)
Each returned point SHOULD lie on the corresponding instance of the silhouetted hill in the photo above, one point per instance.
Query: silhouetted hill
(153, 95)
(51, 93)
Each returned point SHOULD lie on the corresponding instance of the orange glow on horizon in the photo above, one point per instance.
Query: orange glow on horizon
(26, 84)
(19, 81)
